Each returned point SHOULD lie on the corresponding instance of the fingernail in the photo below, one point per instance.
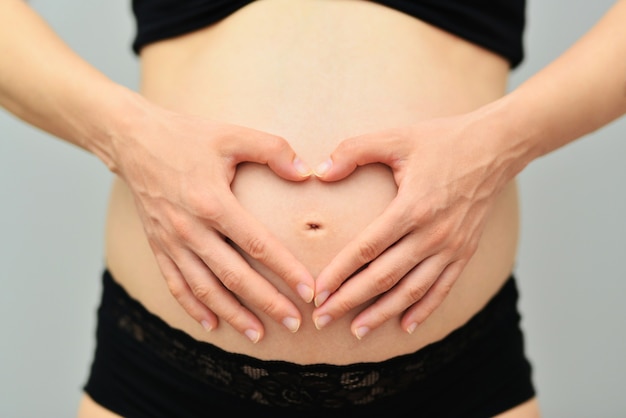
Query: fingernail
(323, 168)
(361, 332)
(411, 328)
(292, 324)
(321, 298)
(322, 321)
(253, 335)
(305, 292)
(301, 167)
(206, 325)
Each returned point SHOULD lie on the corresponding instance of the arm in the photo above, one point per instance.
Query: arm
(166, 159)
(437, 222)
(580, 92)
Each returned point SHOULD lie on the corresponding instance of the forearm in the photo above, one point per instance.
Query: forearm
(47, 85)
(580, 92)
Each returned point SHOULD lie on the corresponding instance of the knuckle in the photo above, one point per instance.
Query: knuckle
(421, 214)
(385, 315)
(177, 289)
(202, 292)
(256, 247)
(231, 316)
(438, 237)
(155, 239)
(345, 147)
(444, 288)
(271, 306)
(230, 279)
(417, 291)
(344, 305)
(472, 245)
(457, 242)
(367, 251)
(182, 227)
(206, 206)
(275, 145)
(385, 282)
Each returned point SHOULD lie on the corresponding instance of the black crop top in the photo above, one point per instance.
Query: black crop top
(497, 25)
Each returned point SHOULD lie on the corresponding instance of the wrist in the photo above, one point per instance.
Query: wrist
(509, 137)
(121, 114)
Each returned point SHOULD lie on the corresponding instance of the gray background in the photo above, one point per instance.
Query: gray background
(53, 197)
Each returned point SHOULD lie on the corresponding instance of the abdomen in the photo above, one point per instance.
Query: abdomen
(315, 73)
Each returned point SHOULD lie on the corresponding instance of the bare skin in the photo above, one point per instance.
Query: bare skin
(286, 96)
(315, 95)
(271, 110)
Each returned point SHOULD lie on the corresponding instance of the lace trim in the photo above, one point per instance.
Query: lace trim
(284, 384)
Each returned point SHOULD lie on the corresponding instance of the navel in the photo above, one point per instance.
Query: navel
(313, 226)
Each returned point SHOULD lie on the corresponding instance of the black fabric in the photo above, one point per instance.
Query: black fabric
(497, 25)
(145, 368)
(162, 19)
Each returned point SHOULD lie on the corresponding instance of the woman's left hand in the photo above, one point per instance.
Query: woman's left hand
(448, 174)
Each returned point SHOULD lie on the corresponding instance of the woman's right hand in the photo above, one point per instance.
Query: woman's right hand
(179, 169)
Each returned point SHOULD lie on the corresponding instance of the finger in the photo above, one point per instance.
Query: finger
(236, 275)
(368, 245)
(380, 275)
(411, 289)
(230, 267)
(420, 311)
(255, 240)
(206, 288)
(365, 149)
(183, 295)
(265, 148)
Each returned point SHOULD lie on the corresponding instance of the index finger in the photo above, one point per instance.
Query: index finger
(381, 234)
(255, 240)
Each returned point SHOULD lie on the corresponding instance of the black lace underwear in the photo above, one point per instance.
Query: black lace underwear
(145, 368)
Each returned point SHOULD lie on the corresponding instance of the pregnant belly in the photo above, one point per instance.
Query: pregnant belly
(312, 218)
(248, 70)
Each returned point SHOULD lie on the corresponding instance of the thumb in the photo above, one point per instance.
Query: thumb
(358, 151)
(276, 153)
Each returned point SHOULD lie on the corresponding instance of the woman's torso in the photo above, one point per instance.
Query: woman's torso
(316, 72)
